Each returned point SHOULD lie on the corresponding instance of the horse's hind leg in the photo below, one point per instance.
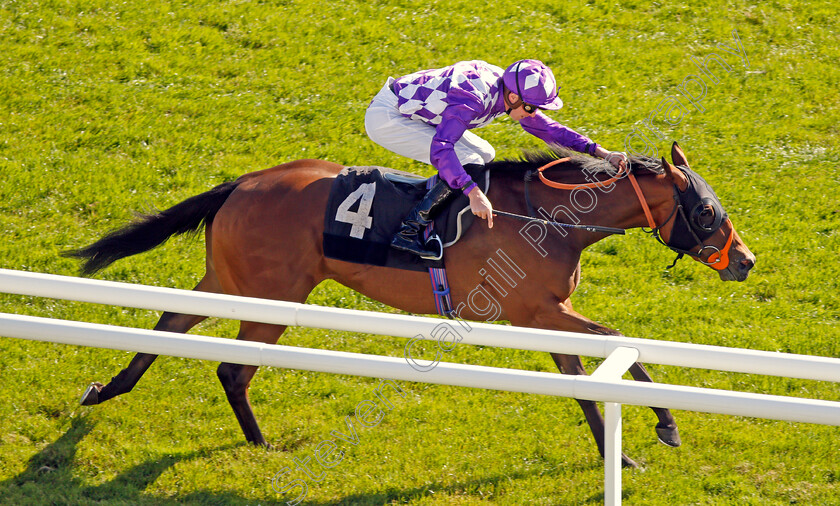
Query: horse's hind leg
(236, 379)
(666, 429)
(125, 380)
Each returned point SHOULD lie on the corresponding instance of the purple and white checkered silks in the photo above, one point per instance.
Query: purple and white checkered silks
(534, 82)
(475, 85)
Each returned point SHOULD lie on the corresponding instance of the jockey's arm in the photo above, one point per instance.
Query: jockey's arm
(553, 132)
(443, 157)
(445, 160)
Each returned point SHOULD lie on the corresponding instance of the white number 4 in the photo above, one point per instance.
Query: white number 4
(360, 219)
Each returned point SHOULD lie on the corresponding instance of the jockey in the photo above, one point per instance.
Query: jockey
(427, 115)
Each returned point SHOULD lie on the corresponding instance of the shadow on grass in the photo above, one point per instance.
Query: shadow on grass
(49, 478)
(490, 488)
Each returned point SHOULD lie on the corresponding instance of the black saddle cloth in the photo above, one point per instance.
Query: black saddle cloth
(365, 210)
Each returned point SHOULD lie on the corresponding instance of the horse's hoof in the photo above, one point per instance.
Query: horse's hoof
(91, 395)
(260, 443)
(628, 462)
(668, 434)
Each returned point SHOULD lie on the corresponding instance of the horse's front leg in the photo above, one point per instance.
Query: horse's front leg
(666, 429)
(563, 317)
(571, 364)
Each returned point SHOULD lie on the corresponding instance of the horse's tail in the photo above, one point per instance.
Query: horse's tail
(149, 231)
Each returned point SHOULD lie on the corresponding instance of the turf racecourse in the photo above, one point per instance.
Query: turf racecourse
(107, 108)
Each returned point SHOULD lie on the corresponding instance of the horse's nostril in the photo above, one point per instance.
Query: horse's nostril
(747, 264)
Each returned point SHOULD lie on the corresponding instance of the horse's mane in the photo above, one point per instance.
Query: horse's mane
(534, 159)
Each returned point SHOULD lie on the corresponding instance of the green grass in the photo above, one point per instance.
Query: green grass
(108, 107)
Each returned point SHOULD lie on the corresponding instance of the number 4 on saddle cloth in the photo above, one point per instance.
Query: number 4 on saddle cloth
(367, 205)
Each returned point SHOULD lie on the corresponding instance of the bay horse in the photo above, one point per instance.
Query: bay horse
(263, 235)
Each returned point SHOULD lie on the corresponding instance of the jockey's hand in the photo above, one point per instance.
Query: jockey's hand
(480, 206)
(617, 159)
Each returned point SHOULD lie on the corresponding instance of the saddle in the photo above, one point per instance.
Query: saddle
(366, 207)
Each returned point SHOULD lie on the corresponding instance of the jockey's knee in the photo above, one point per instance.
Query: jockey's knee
(482, 157)
(489, 154)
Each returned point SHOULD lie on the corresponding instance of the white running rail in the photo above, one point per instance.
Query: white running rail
(605, 384)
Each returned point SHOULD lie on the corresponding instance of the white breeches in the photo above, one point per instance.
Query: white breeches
(413, 138)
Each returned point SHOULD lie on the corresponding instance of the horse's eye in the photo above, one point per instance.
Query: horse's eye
(707, 217)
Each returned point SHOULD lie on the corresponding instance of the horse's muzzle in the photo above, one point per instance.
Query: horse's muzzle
(738, 270)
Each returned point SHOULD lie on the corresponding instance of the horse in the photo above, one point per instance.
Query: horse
(263, 235)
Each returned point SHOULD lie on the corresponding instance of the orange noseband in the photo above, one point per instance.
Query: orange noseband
(719, 260)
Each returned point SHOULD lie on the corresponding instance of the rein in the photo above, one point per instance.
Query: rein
(718, 259)
(565, 186)
(588, 228)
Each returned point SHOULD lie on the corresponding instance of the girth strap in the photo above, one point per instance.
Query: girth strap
(437, 276)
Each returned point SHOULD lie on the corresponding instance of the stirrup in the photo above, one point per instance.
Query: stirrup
(432, 238)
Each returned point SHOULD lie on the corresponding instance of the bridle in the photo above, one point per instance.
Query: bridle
(718, 259)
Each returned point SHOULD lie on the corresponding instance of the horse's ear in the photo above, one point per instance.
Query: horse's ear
(678, 156)
(675, 175)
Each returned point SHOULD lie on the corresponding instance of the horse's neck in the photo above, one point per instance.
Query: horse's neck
(657, 194)
(613, 206)
(625, 208)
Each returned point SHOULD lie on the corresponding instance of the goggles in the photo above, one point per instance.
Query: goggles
(530, 109)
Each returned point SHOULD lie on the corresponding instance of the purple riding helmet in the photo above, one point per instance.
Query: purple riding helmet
(534, 82)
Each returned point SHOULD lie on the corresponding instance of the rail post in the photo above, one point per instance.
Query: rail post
(613, 367)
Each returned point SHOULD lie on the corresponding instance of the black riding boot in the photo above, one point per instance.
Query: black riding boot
(409, 236)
